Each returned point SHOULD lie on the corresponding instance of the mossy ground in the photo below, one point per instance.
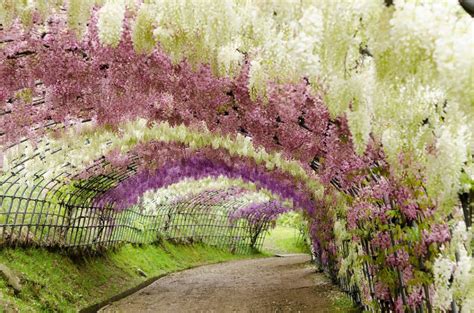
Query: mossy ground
(56, 282)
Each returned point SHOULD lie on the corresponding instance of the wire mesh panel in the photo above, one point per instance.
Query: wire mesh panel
(60, 211)
(32, 220)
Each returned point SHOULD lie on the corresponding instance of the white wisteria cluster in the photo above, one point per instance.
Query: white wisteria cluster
(189, 187)
(80, 145)
(79, 12)
(442, 271)
(250, 198)
(451, 271)
(110, 22)
(351, 269)
(462, 277)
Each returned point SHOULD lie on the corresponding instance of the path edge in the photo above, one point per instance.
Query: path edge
(99, 305)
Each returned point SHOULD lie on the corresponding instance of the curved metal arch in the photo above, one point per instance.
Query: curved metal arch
(41, 210)
(214, 220)
(68, 217)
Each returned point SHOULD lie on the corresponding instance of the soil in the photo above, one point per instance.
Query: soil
(277, 284)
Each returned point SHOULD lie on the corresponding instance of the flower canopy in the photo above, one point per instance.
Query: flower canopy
(359, 113)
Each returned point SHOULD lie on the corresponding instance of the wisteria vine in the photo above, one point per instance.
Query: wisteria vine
(368, 106)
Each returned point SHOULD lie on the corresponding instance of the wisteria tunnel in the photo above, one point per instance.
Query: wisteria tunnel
(203, 121)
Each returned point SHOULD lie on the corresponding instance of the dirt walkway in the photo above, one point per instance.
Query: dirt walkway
(285, 284)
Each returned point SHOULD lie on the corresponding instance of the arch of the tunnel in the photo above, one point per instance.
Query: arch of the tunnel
(57, 190)
(51, 191)
(231, 172)
(53, 188)
(91, 187)
(216, 217)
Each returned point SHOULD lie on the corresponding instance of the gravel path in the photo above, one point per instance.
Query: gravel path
(277, 284)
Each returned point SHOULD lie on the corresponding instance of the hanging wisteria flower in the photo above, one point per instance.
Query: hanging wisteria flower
(442, 272)
(357, 112)
(110, 22)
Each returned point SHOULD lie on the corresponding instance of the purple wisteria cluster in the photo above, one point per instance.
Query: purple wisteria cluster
(213, 196)
(128, 192)
(260, 212)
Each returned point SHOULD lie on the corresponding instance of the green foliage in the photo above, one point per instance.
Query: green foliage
(343, 304)
(283, 239)
(291, 219)
(295, 220)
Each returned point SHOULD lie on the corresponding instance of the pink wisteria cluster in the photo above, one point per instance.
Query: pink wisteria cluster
(82, 80)
(54, 77)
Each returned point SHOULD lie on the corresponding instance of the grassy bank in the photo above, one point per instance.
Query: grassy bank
(54, 282)
(284, 239)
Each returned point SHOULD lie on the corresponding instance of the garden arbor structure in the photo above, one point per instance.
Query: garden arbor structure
(357, 114)
(48, 212)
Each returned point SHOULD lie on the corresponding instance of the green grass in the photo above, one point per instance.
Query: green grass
(56, 282)
(341, 303)
(284, 239)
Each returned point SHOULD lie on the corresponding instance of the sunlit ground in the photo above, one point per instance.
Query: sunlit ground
(284, 239)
